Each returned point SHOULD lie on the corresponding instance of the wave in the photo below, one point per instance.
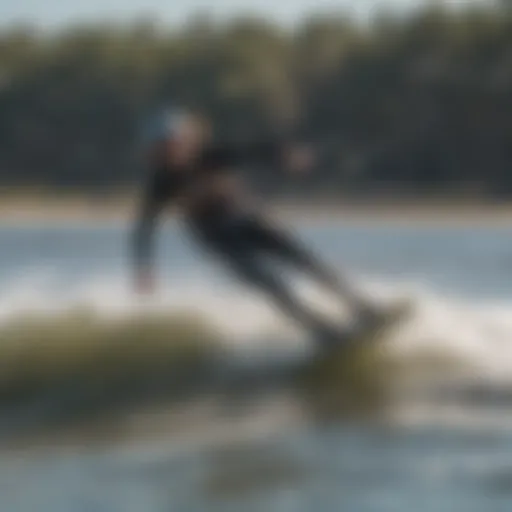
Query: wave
(450, 343)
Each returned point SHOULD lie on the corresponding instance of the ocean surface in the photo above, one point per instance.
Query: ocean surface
(452, 455)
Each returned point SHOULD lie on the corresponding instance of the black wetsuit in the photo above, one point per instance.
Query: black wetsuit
(229, 228)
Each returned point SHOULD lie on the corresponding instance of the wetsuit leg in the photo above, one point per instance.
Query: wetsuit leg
(278, 242)
(240, 242)
(253, 271)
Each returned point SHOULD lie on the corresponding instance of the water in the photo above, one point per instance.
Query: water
(443, 458)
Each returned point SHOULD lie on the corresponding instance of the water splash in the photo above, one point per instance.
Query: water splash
(477, 332)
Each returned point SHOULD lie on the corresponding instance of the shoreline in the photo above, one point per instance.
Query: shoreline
(22, 211)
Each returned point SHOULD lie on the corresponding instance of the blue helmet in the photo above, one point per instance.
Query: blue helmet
(165, 124)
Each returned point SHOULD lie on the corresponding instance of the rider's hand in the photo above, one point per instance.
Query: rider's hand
(145, 282)
(298, 160)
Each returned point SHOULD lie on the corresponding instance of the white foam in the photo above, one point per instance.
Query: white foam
(479, 332)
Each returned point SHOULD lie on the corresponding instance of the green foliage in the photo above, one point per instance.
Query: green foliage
(419, 104)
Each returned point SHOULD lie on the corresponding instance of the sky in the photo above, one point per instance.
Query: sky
(56, 13)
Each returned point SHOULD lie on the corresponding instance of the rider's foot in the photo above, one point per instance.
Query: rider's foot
(327, 334)
(372, 316)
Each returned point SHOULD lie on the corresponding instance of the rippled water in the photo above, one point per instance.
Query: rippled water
(446, 460)
(346, 469)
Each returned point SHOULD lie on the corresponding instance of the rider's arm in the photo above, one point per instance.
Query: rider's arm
(268, 153)
(273, 153)
(152, 202)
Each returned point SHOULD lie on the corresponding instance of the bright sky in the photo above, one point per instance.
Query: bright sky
(52, 13)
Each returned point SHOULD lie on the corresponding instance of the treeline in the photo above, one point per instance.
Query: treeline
(421, 105)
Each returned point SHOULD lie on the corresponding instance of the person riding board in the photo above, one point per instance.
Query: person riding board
(187, 169)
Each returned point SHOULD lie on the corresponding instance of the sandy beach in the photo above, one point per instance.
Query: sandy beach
(21, 210)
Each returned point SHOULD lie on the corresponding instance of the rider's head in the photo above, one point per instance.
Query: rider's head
(175, 136)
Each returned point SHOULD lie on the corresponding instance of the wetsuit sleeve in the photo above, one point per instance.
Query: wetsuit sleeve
(264, 153)
(151, 205)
